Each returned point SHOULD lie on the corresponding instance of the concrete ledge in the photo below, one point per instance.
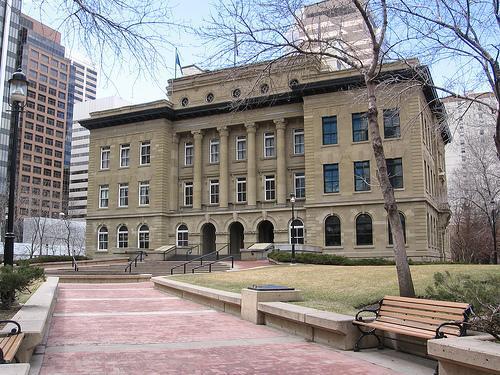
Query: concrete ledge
(82, 263)
(15, 369)
(34, 316)
(471, 355)
(125, 278)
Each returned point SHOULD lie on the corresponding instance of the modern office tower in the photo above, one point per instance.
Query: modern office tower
(10, 11)
(46, 122)
(78, 180)
(85, 79)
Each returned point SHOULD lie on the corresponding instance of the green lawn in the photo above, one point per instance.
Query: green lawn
(342, 289)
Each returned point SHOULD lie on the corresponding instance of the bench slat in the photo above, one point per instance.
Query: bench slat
(428, 302)
(412, 324)
(428, 314)
(10, 345)
(421, 333)
(425, 307)
(415, 318)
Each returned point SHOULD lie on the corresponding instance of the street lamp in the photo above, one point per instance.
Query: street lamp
(494, 232)
(292, 201)
(18, 88)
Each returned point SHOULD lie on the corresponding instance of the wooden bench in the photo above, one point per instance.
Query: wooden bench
(10, 344)
(414, 317)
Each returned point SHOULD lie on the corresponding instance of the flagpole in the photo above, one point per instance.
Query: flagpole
(175, 70)
(235, 47)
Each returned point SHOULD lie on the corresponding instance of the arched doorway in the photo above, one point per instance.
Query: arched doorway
(207, 238)
(266, 231)
(236, 237)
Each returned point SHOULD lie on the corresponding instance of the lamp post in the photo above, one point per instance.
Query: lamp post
(18, 88)
(292, 237)
(494, 231)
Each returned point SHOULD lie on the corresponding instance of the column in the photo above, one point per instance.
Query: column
(281, 153)
(223, 167)
(251, 166)
(174, 173)
(197, 169)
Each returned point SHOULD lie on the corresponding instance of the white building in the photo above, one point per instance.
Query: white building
(85, 75)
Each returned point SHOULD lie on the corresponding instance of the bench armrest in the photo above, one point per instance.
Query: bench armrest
(13, 331)
(359, 318)
(460, 325)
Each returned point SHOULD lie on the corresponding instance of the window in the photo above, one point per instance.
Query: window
(391, 123)
(362, 175)
(105, 153)
(145, 152)
(241, 147)
(124, 155)
(241, 189)
(103, 196)
(330, 130)
(297, 232)
(364, 232)
(122, 236)
(268, 145)
(143, 239)
(188, 153)
(403, 223)
(269, 188)
(182, 235)
(188, 193)
(359, 127)
(300, 185)
(143, 193)
(395, 172)
(122, 195)
(332, 231)
(214, 191)
(214, 150)
(102, 239)
(298, 141)
(331, 178)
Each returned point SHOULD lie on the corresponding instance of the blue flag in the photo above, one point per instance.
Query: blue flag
(177, 61)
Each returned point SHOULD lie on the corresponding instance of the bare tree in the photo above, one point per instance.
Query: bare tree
(276, 31)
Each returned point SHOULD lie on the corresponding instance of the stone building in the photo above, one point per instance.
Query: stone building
(214, 167)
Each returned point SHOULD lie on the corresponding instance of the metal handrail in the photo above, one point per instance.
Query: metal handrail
(215, 261)
(169, 251)
(200, 258)
(74, 263)
(140, 255)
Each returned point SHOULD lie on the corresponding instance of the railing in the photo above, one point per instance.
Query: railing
(200, 258)
(140, 256)
(168, 251)
(74, 263)
(214, 262)
(189, 251)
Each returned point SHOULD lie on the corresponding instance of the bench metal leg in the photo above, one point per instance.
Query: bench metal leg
(2, 360)
(368, 333)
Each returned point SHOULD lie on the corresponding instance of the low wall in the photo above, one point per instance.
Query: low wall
(82, 263)
(91, 279)
(15, 369)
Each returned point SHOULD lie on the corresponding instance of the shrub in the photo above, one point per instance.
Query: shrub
(483, 294)
(327, 259)
(51, 258)
(16, 279)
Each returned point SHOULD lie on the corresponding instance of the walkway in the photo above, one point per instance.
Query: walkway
(135, 329)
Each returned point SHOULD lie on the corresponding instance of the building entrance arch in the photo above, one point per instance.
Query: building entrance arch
(236, 237)
(207, 238)
(266, 231)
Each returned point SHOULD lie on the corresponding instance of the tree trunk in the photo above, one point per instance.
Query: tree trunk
(406, 288)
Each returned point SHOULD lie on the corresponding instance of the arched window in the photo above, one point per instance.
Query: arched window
(332, 231)
(182, 235)
(403, 223)
(297, 233)
(364, 230)
(102, 238)
(143, 238)
(122, 236)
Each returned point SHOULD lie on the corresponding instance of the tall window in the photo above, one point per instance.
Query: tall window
(188, 153)
(300, 185)
(391, 123)
(269, 188)
(395, 172)
(297, 232)
(330, 130)
(331, 178)
(105, 153)
(332, 231)
(241, 189)
(122, 236)
(403, 223)
(214, 191)
(362, 175)
(359, 127)
(143, 238)
(124, 155)
(143, 193)
(145, 152)
(182, 235)
(188, 193)
(269, 145)
(102, 239)
(214, 150)
(364, 231)
(122, 195)
(103, 196)
(298, 141)
(241, 147)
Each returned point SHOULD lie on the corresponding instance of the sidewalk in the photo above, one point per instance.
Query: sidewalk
(135, 329)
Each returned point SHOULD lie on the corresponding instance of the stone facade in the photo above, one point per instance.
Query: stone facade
(204, 115)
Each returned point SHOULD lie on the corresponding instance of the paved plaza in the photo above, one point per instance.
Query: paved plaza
(135, 329)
